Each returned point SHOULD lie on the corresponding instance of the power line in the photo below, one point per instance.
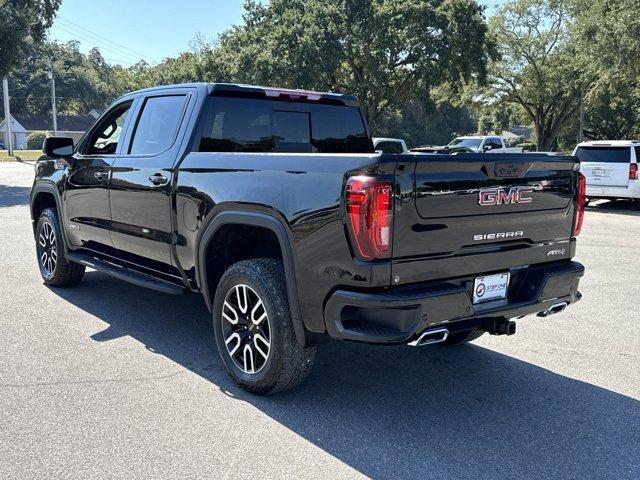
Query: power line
(120, 61)
(104, 39)
(69, 23)
(76, 35)
(86, 38)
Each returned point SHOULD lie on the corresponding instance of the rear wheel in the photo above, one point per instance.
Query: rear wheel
(253, 328)
(55, 269)
(458, 338)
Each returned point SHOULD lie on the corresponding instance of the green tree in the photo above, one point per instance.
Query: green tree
(612, 111)
(537, 69)
(608, 33)
(498, 116)
(23, 24)
(427, 123)
(83, 82)
(387, 52)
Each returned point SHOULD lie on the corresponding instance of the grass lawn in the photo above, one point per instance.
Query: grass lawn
(20, 154)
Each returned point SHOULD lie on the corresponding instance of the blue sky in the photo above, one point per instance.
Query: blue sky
(127, 30)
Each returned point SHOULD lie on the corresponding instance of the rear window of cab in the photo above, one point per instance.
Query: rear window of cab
(256, 125)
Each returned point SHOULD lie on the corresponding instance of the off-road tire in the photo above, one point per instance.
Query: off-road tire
(65, 273)
(288, 363)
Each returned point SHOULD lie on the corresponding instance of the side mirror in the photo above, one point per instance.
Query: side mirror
(57, 147)
(486, 148)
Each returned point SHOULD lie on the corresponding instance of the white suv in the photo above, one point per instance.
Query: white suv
(611, 168)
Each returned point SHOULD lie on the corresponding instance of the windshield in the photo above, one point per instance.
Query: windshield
(465, 142)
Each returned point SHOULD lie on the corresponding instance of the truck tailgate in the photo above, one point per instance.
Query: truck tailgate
(477, 213)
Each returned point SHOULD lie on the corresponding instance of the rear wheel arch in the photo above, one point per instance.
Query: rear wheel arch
(223, 229)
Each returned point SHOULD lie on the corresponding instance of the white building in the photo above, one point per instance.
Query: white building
(72, 126)
(18, 132)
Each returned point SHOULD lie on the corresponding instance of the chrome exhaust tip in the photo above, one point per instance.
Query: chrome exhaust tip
(429, 337)
(553, 309)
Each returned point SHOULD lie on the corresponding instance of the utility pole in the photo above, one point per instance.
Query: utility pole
(7, 116)
(53, 99)
(581, 117)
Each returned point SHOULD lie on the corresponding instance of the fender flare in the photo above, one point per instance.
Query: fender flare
(49, 188)
(256, 219)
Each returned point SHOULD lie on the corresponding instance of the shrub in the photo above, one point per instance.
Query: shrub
(35, 139)
(527, 146)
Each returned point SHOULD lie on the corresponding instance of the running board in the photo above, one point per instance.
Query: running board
(125, 274)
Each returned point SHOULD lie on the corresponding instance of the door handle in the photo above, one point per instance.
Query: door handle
(158, 179)
(100, 175)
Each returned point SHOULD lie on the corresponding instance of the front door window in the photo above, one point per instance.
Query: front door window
(105, 137)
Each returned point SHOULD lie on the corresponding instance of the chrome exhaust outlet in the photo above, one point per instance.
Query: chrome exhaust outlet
(553, 309)
(430, 336)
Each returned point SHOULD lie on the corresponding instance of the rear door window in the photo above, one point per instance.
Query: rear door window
(604, 154)
(256, 125)
(157, 125)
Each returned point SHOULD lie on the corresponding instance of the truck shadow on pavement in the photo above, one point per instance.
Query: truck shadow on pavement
(465, 412)
(11, 196)
(622, 207)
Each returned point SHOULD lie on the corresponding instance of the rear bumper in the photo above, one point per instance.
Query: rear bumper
(401, 314)
(632, 191)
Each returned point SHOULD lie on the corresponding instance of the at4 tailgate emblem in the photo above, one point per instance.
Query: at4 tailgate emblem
(504, 196)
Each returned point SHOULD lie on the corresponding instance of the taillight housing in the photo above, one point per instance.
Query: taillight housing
(633, 171)
(369, 202)
(581, 200)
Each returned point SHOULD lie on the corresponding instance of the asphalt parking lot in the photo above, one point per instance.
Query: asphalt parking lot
(111, 380)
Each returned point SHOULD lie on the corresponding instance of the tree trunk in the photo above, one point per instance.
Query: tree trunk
(539, 125)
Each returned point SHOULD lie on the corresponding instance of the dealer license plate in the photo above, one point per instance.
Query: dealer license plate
(490, 287)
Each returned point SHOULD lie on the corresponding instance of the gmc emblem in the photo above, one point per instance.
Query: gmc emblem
(504, 196)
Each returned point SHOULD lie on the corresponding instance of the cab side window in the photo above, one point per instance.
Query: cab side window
(106, 135)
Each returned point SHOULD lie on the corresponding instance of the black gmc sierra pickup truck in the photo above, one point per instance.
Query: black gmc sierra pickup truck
(273, 205)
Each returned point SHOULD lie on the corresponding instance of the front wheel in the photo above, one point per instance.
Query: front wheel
(55, 269)
(253, 328)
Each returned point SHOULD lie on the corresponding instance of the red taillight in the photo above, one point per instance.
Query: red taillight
(581, 197)
(633, 171)
(370, 216)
